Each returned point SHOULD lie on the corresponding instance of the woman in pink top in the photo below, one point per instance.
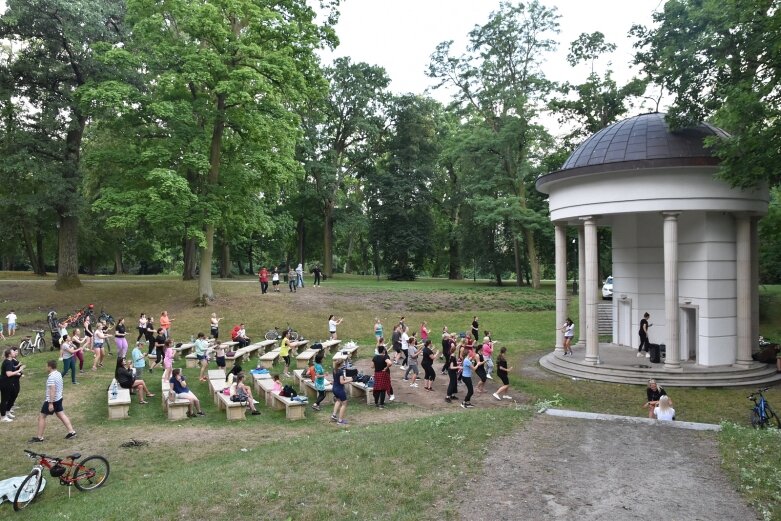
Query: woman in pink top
(423, 332)
(165, 323)
(168, 360)
(488, 350)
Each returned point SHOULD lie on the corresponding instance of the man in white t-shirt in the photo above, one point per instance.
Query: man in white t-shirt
(53, 403)
(405, 347)
(11, 318)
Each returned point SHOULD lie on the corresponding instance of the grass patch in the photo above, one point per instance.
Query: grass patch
(753, 459)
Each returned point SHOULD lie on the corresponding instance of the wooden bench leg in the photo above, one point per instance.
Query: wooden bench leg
(294, 412)
(177, 412)
(118, 412)
(235, 413)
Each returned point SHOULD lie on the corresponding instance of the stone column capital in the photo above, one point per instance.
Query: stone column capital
(670, 216)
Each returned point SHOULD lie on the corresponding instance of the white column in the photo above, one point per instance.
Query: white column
(673, 357)
(581, 286)
(561, 282)
(754, 280)
(744, 305)
(592, 281)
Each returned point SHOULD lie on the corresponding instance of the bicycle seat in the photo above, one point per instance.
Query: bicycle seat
(37, 330)
(75, 456)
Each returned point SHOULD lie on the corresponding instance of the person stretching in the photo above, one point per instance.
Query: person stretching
(503, 373)
(319, 380)
(466, 377)
(428, 365)
(340, 396)
(382, 380)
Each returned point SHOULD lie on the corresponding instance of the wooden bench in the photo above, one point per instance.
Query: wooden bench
(294, 410)
(268, 360)
(331, 345)
(302, 360)
(360, 390)
(263, 386)
(233, 410)
(347, 352)
(265, 346)
(176, 409)
(119, 405)
(191, 360)
(183, 350)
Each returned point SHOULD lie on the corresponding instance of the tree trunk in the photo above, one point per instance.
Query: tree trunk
(349, 253)
(455, 260)
(249, 257)
(534, 261)
(328, 231)
(68, 254)
(119, 267)
(518, 266)
(92, 266)
(301, 232)
(39, 253)
(190, 253)
(28, 248)
(205, 292)
(225, 258)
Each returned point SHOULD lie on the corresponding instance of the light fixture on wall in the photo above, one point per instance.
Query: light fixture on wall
(687, 301)
(623, 297)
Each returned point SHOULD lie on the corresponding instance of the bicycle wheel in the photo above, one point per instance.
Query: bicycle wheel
(91, 473)
(40, 344)
(772, 418)
(25, 347)
(28, 490)
(755, 420)
(271, 335)
(293, 335)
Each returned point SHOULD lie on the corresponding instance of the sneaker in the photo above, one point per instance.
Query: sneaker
(315, 407)
(497, 396)
(491, 377)
(255, 413)
(639, 354)
(342, 422)
(75, 383)
(392, 397)
(334, 418)
(405, 379)
(70, 435)
(507, 397)
(448, 400)
(6, 419)
(463, 405)
(413, 385)
(11, 415)
(35, 439)
(470, 406)
(382, 406)
(403, 367)
(648, 355)
(201, 413)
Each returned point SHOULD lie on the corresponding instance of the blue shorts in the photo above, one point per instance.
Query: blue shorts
(57, 407)
(12, 326)
(339, 394)
(200, 357)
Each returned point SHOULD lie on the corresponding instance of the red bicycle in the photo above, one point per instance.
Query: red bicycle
(88, 474)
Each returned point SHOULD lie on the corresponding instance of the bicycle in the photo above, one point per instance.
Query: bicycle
(107, 318)
(762, 415)
(89, 474)
(274, 334)
(28, 346)
(80, 315)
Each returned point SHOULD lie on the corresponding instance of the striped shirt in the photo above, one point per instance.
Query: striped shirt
(54, 379)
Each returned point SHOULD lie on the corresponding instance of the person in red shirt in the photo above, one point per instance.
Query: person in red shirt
(263, 278)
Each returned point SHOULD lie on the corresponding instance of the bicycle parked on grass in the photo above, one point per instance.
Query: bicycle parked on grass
(88, 474)
(762, 415)
(276, 334)
(29, 345)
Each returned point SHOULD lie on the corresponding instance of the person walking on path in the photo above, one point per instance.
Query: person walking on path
(68, 354)
(332, 323)
(503, 372)
(10, 373)
(644, 325)
(466, 377)
(300, 275)
(53, 404)
(396, 343)
(263, 279)
(428, 357)
(569, 333)
(319, 380)
(382, 378)
(340, 395)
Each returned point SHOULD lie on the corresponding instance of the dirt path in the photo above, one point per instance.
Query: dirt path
(565, 469)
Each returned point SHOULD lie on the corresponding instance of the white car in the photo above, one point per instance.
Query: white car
(607, 288)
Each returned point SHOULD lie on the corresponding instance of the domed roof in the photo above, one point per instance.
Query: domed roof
(643, 141)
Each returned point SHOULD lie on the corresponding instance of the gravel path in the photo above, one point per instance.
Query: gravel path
(573, 469)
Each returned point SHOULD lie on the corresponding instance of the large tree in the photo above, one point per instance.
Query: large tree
(722, 62)
(55, 59)
(499, 80)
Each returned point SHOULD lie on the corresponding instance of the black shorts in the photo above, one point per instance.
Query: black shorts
(429, 372)
(57, 407)
(397, 348)
(503, 377)
(286, 359)
(275, 283)
(220, 361)
(215, 332)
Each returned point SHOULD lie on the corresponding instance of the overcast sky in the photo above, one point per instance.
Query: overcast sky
(400, 35)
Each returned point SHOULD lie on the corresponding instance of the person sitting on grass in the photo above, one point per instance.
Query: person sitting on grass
(181, 391)
(126, 380)
(654, 392)
(240, 392)
(663, 411)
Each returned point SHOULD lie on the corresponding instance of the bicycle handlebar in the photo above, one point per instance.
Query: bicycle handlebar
(35, 455)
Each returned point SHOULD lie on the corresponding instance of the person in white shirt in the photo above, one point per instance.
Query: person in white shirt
(53, 403)
(332, 323)
(664, 411)
(11, 318)
(405, 347)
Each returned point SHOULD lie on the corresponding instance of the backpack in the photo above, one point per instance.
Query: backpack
(288, 391)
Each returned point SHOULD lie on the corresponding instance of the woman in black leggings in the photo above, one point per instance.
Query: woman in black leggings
(452, 372)
(10, 372)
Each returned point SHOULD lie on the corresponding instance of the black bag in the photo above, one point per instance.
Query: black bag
(288, 391)
(318, 346)
(351, 373)
(655, 353)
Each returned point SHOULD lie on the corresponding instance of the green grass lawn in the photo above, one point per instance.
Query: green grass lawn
(308, 469)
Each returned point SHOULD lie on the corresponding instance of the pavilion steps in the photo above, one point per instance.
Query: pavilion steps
(726, 376)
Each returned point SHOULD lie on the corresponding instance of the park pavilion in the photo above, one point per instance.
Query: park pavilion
(684, 249)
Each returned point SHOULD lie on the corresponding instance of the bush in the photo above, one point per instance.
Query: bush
(402, 273)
